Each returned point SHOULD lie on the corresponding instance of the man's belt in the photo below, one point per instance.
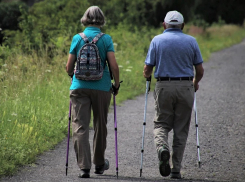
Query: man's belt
(174, 78)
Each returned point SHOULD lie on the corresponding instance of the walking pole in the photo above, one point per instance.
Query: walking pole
(115, 126)
(148, 82)
(68, 137)
(198, 147)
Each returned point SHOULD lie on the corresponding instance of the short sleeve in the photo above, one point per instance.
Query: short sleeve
(110, 46)
(73, 47)
(151, 55)
(198, 57)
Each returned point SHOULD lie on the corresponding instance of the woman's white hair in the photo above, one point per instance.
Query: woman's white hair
(93, 16)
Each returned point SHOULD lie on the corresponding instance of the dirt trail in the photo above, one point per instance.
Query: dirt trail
(221, 116)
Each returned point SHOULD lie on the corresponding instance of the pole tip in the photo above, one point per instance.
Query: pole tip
(199, 163)
(117, 175)
(140, 172)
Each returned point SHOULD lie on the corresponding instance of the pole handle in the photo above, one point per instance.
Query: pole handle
(149, 84)
(148, 79)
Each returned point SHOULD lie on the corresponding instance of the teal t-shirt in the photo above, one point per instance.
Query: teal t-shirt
(104, 44)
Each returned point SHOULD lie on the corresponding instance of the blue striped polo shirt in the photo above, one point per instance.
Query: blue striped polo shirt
(173, 54)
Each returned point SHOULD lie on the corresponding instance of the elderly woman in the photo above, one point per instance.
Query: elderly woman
(95, 95)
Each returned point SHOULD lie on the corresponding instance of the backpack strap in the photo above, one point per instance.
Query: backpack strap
(96, 38)
(84, 37)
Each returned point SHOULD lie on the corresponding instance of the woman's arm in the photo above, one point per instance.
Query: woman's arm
(114, 67)
(70, 64)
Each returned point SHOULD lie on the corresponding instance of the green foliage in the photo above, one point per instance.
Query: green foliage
(231, 11)
(47, 25)
(199, 22)
(34, 108)
(130, 50)
(44, 25)
(5, 53)
(10, 13)
(219, 37)
(220, 22)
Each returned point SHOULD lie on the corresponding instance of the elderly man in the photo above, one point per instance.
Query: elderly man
(174, 55)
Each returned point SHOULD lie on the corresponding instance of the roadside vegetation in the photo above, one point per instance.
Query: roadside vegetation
(34, 86)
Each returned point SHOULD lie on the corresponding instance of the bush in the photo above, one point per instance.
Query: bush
(10, 13)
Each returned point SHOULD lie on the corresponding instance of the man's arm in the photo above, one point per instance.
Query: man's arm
(147, 71)
(198, 76)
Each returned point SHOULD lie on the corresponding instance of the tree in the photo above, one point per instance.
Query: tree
(231, 11)
(9, 14)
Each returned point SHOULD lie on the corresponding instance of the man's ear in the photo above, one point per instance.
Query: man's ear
(164, 25)
(182, 26)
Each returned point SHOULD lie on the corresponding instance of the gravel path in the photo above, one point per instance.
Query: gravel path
(221, 117)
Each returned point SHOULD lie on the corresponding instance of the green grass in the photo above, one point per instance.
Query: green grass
(33, 114)
(217, 37)
(34, 95)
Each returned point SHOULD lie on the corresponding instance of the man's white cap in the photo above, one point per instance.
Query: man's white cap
(174, 18)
